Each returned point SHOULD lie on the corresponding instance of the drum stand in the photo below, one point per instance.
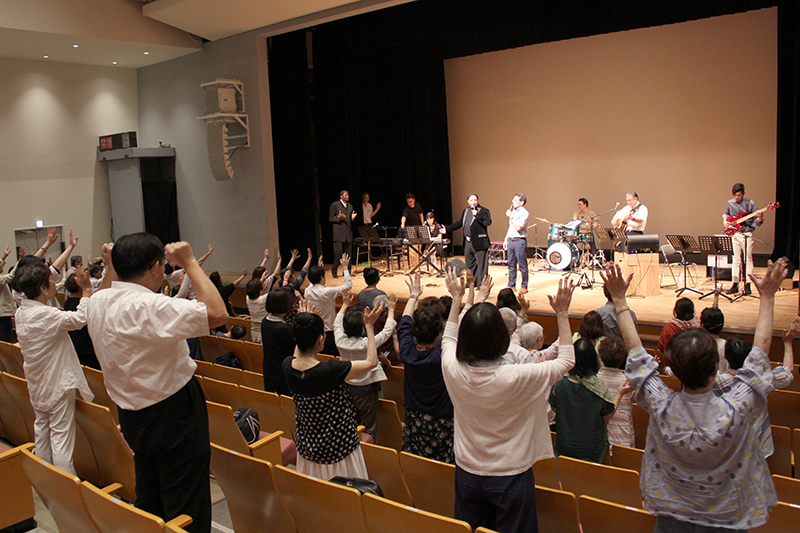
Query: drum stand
(537, 256)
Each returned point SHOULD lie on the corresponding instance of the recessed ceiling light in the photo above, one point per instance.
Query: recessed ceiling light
(47, 57)
(147, 53)
(113, 62)
(74, 46)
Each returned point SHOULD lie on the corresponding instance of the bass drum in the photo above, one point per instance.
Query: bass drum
(561, 254)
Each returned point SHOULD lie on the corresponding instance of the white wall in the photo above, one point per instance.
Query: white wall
(51, 115)
(234, 216)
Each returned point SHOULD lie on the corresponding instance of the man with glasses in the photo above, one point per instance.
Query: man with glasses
(140, 337)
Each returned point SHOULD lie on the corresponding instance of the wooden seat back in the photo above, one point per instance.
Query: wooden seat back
(557, 510)
(390, 428)
(224, 432)
(61, 493)
(600, 516)
(318, 505)
(112, 454)
(383, 466)
(628, 458)
(431, 483)
(250, 490)
(600, 481)
(386, 516)
(98, 385)
(16, 496)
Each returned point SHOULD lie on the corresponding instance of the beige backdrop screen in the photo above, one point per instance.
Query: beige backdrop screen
(677, 113)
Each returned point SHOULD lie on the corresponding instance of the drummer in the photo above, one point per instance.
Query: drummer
(584, 213)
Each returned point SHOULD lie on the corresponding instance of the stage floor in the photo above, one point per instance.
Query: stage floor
(740, 315)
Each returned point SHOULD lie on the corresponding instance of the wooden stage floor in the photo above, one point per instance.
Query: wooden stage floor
(739, 315)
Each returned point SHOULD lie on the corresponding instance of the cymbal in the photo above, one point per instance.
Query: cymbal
(544, 220)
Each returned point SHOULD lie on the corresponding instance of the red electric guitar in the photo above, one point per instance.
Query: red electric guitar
(741, 217)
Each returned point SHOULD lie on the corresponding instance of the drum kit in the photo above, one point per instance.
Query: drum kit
(568, 248)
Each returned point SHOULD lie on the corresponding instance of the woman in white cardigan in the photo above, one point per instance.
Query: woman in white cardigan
(501, 426)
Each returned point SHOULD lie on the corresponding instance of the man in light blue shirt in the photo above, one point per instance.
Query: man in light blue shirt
(516, 241)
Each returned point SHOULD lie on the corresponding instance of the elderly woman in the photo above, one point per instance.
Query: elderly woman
(499, 408)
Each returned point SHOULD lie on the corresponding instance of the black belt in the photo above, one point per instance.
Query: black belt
(517, 238)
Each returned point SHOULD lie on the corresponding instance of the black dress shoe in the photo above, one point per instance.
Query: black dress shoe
(747, 289)
(733, 290)
(334, 275)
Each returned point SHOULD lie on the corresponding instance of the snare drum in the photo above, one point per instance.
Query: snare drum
(560, 255)
(569, 234)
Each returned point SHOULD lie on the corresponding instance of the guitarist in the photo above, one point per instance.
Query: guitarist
(742, 239)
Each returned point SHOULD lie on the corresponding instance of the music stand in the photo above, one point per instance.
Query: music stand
(716, 244)
(683, 244)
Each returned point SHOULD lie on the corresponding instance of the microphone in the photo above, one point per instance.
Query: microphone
(616, 206)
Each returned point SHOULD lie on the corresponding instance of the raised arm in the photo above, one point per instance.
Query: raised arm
(182, 254)
(617, 285)
(62, 259)
(266, 256)
(359, 368)
(767, 287)
(203, 259)
(307, 264)
(415, 290)
(52, 237)
(788, 337)
(240, 278)
(111, 274)
(560, 304)
(277, 269)
(455, 286)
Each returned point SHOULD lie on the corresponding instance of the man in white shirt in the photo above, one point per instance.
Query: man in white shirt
(325, 298)
(633, 217)
(140, 339)
(367, 212)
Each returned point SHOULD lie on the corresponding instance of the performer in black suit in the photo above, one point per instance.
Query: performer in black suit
(341, 215)
(475, 219)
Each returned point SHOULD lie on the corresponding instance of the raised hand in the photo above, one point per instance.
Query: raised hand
(22, 251)
(788, 335)
(266, 253)
(73, 241)
(371, 315)
(6, 252)
(524, 304)
(345, 260)
(305, 307)
(319, 261)
(560, 302)
(180, 253)
(486, 288)
(295, 255)
(244, 272)
(83, 280)
(771, 282)
(414, 284)
(52, 236)
(347, 298)
(392, 304)
(454, 284)
(105, 253)
(615, 282)
(470, 278)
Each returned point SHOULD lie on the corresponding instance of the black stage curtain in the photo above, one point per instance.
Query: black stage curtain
(359, 104)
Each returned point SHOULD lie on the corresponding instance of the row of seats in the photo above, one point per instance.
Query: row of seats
(82, 507)
(258, 493)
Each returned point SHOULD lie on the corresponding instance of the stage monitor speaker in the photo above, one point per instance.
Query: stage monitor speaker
(643, 243)
(458, 264)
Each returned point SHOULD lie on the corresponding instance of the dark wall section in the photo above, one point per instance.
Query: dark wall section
(370, 114)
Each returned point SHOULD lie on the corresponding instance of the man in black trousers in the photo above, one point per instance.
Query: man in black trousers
(341, 215)
(475, 219)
